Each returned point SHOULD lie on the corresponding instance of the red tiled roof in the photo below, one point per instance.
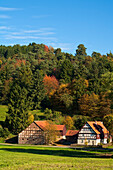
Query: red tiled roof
(59, 127)
(43, 124)
(97, 123)
(72, 132)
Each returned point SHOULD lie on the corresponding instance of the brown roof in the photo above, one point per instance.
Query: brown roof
(59, 127)
(96, 124)
(43, 124)
(72, 132)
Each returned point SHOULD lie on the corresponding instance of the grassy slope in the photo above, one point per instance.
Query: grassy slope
(3, 110)
(35, 157)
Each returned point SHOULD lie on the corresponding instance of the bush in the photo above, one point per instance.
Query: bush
(100, 144)
(79, 121)
(4, 132)
(86, 142)
(36, 117)
(108, 140)
(57, 114)
(57, 117)
(48, 114)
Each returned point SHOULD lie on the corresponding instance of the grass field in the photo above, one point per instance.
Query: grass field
(3, 110)
(35, 157)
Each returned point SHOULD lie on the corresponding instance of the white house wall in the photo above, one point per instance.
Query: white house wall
(87, 134)
(89, 142)
(105, 141)
(98, 141)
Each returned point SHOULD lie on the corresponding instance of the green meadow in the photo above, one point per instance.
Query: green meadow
(37, 157)
(3, 112)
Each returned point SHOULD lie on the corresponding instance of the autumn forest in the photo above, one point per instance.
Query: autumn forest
(75, 87)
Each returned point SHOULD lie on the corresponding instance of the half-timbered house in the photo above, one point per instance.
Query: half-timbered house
(93, 133)
(35, 133)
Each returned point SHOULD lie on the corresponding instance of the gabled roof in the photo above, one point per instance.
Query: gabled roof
(95, 125)
(43, 124)
(72, 132)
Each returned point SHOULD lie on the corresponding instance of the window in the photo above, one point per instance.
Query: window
(88, 141)
(81, 141)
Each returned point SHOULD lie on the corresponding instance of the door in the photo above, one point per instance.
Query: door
(92, 142)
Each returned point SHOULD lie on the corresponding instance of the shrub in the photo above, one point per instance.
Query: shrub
(48, 114)
(36, 117)
(86, 142)
(4, 132)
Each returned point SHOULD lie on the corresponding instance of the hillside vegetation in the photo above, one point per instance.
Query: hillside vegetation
(3, 112)
(38, 77)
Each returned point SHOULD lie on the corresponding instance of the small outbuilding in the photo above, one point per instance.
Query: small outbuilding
(72, 136)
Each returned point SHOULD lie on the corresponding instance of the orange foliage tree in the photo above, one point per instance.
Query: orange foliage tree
(46, 49)
(50, 83)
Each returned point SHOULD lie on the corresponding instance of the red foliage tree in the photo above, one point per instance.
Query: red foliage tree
(46, 49)
(50, 83)
(19, 62)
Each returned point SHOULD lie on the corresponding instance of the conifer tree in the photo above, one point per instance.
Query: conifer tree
(17, 118)
(38, 91)
(19, 100)
(67, 71)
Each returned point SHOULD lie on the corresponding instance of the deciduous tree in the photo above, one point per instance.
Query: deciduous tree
(50, 83)
(68, 121)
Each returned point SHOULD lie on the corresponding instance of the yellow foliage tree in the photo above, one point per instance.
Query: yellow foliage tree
(30, 118)
(50, 133)
(68, 121)
(0, 62)
(89, 104)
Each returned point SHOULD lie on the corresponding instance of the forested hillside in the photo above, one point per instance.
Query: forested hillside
(41, 77)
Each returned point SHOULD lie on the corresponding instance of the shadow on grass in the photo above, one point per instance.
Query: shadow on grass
(59, 152)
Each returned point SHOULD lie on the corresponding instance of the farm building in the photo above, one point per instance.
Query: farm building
(35, 133)
(93, 133)
(61, 130)
(72, 136)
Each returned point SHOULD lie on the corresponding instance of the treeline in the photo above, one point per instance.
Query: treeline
(39, 77)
